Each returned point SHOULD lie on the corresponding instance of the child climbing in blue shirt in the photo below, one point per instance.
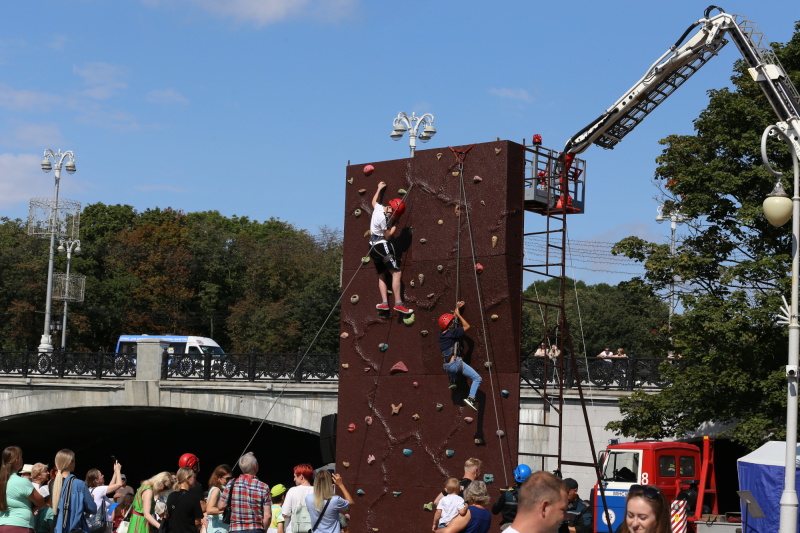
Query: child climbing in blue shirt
(450, 345)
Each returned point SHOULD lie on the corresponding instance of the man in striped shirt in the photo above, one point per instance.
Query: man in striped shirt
(251, 510)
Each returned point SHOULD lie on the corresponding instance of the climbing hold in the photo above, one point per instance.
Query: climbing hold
(365, 259)
(450, 453)
(441, 221)
(375, 529)
(439, 407)
(408, 320)
(496, 151)
(407, 452)
(428, 506)
(483, 202)
(504, 393)
(360, 492)
(396, 408)
(354, 299)
(346, 464)
(345, 366)
(440, 268)
(456, 173)
(368, 420)
(468, 419)
(411, 282)
(431, 295)
(396, 493)
(495, 317)
(421, 279)
(351, 428)
(366, 369)
(439, 155)
(478, 442)
(478, 268)
(350, 181)
(415, 384)
(415, 416)
(477, 179)
(494, 241)
(402, 192)
(366, 233)
(501, 433)
(424, 332)
(487, 364)
(357, 213)
(488, 478)
(362, 191)
(383, 346)
(344, 335)
(369, 169)
(423, 241)
(398, 367)
(458, 210)
(370, 460)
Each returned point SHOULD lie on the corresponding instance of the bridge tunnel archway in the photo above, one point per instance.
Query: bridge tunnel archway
(147, 440)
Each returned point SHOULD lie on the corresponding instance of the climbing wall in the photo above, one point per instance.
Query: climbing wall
(401, 431)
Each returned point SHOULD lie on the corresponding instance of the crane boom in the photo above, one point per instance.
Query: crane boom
(679, 63)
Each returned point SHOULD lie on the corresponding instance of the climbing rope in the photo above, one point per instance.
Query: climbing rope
(460, 155)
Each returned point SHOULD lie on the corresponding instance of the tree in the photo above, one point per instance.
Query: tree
(734, 266)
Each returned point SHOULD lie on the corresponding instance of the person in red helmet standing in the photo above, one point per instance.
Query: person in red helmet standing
(190, 460)
(381, 250)
(450, 345)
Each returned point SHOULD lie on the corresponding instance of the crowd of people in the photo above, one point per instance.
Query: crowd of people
(35, 498)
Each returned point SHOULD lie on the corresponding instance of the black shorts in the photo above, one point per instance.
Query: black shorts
(382, 255)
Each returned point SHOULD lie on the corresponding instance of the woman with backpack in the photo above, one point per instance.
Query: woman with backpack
(71, 499)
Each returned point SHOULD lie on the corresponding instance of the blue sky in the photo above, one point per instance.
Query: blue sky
(254, 107)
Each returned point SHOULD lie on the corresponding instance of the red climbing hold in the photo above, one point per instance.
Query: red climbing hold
(369, 169)
(398, 367)
(478, 268)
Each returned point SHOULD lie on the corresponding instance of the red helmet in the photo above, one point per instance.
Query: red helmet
(398, 205)
(188, 460)
(445, 320)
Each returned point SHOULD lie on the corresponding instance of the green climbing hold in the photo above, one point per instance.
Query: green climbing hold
(408, 320)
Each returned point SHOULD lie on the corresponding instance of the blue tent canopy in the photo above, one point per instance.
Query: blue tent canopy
(761, 472)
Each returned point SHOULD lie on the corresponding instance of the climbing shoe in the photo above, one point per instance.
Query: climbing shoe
(400, 308)
(382, 307)
(471, 402)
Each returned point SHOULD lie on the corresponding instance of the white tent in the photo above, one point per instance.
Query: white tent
(761, 472)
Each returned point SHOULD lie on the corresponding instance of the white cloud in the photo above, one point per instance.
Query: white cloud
(103, 79)
(264, 12)
(22, 100)
(27, 135)
(58, 43)
(20, 178)
(512, 94)
(166, 96)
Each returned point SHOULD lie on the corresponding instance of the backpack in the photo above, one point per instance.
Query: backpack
(98, 520)
(301, 519)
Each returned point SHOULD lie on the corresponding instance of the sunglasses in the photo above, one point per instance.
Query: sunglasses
(648, 491)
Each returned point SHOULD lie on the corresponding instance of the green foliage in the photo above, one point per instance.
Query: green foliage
(252, 286)
(733, 265)
(628, 316)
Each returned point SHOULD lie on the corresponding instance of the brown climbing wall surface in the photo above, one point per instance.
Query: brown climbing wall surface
(419, 445)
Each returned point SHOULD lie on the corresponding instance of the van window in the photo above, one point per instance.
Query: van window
(194, 350)
(622, 466)
(666, 466)
(687, 467)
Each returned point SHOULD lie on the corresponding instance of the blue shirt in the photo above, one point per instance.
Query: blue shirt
(447, 339)
(330, 521)
(479, 520)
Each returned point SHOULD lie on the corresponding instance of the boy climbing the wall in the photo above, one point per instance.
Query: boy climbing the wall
(450, 345)
(381, 250)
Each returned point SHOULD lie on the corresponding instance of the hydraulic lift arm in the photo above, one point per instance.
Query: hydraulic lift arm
(678, 64)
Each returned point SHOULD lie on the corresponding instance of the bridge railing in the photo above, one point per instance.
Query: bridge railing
(612, 374)
(66, 365)
(605, 373)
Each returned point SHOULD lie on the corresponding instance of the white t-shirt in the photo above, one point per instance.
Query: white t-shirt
(377, 225)
(99, 497)
(450, 505)
(295, 497)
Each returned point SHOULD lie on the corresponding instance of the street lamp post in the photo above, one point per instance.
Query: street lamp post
(67, 246)
(403, 123)
(53, 160)
(675, 217)
(778, 209)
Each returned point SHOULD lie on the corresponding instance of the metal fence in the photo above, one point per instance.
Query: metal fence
(612, 374)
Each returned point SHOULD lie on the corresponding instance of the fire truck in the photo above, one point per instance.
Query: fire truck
(680, 470)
